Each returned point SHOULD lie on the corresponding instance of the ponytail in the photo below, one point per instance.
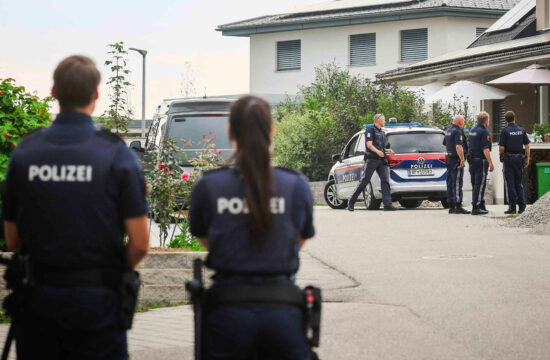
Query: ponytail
(250, 122)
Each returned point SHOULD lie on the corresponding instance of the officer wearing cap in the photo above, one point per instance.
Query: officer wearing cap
(481, 163)
(71, 195)
(376, 140)
(454, 141)
(253, 219)
(512, 140)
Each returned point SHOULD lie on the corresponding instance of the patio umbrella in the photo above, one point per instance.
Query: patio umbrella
(534, 74)
(470, 90)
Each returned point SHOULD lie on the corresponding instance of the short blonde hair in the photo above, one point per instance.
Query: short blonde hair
(482, 117)
(377, 116)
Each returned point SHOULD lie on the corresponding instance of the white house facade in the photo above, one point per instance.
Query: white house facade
(366, 36)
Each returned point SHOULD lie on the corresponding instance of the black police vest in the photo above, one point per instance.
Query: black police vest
(378, 141)
(231, 248)
(68, 215)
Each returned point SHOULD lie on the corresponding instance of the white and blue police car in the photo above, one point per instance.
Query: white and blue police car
(417, 168)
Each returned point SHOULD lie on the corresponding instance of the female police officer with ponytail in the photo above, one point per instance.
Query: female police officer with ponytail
(253, 218)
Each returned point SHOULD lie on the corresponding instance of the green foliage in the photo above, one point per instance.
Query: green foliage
(542, 129)
(20, 113)
(185, 240)
(441, 114)
(329, 111)
(117, 117)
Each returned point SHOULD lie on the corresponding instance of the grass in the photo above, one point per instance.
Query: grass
(4, 319)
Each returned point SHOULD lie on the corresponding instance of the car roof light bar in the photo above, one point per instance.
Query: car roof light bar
(366, 126)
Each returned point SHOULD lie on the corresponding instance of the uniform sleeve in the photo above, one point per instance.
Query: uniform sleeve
(458, 137)
(369, 134)
(199, 219)
(503, 138)
(131, 181)
(486, 140)
(525, 138)
(445, 140)
(9, 193)
(302, 211)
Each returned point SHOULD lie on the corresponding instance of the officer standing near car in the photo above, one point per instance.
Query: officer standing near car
(453, 141)
(253, 219)
(512, 140)
(71, 195)
(376, 140)
(481, 162)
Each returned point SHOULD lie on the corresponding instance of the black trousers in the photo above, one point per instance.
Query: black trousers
(383, 171)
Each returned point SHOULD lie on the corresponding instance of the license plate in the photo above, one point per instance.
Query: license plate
(421, 172)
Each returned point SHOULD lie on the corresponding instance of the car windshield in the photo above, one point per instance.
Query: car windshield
(416, 143)
(192, 129)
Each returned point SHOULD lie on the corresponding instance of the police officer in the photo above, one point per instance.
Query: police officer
(71, 195)
(454, 141)
(481, 162)
(512, 140)
(375, 139)
(254, 219)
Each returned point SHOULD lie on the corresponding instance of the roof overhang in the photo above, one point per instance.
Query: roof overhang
(473, 64)
(346, 20)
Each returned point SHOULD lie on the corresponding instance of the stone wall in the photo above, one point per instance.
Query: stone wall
(317, 190)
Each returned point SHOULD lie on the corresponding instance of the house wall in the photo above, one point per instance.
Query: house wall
(326, 45)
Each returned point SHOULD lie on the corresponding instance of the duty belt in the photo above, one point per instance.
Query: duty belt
(232, 294)
(109, 279)
(515, 154)
(452, 155)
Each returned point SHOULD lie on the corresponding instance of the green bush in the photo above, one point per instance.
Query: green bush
(329, 111)
(185, 240)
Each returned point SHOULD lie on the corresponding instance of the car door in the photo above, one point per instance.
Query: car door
(348, 172)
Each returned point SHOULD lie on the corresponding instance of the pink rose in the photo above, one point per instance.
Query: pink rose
(185, 176)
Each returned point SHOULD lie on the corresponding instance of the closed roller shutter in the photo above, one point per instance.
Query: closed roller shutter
(414, 45)
(480, 31)
(362, 49)
(289, 55)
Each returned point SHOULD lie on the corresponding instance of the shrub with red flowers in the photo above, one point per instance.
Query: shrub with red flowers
(20, 113)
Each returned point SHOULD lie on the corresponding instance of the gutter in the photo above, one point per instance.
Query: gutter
(346, 20)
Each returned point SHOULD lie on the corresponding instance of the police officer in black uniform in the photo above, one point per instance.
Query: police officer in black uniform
(71, 194)
(376, 140)
(480, 162)
(454, 142)
(253, 219)
(512, 140)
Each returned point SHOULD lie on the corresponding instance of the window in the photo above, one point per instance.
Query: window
(361, 146)
(480, 31)
(362, 49)
(414, 45)
(350, 149)
(414, 143)
(289, 55)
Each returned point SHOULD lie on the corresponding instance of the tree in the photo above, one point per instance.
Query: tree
(119, 114)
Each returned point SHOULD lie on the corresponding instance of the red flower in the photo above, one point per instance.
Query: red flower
(161, 166)
(13, 146)
(42, 115)
(1, 93)
(7, 138)
(5, 133)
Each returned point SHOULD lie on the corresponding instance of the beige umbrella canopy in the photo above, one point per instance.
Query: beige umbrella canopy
(534, 74)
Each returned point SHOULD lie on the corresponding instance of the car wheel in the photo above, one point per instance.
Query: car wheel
(370, 201)
(410, 204)
(445, 204)
(331, 196)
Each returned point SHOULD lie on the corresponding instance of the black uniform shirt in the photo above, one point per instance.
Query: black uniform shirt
(219, 211)
(378, 138)
(513, 137)
(69, 189)
(453, 137)
(479, 140)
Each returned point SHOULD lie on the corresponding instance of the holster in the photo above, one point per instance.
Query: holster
(128, 296)
(469, 158)
(504, 157)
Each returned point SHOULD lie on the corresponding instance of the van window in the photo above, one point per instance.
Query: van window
(413, 143)
(199, 107)
(192, 128)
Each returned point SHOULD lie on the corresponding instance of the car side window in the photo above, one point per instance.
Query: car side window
(361, 146)
(350, 149)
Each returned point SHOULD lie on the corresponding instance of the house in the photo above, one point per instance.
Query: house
(518, 39)
(366, 36)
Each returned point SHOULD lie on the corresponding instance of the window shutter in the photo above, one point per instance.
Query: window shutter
(289, 55)
(479, 31)
(362, 49)
(414, 45)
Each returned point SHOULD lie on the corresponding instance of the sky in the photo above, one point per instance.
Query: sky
(179, 36)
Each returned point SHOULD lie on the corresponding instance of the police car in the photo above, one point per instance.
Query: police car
(417, 169)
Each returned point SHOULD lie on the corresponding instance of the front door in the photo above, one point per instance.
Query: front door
(349, 170)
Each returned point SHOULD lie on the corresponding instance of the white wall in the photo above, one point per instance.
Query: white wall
(325, 45)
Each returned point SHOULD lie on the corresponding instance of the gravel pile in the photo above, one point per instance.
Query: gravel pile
(536, 215)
